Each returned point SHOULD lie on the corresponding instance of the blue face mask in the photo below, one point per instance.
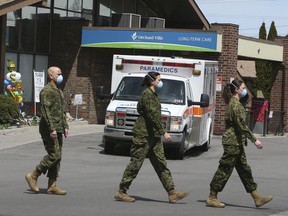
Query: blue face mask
(59, 79)
(243, 93)
(160, 84)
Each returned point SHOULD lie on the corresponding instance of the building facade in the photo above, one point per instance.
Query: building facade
(46, 33)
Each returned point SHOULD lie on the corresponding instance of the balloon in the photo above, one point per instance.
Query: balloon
(17, 76)
(21, 104)
(16, 93)
(9, 87)
(19, 99)
(19, 86)
(6, 82)
(7, 93)
(8, 76)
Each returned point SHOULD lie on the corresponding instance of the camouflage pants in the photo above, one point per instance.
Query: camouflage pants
(153, 148)
(233, 156)
(51, 162)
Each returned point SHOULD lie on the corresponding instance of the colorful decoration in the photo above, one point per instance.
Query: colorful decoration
(13, 84)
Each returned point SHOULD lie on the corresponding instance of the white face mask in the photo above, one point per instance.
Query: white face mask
(243, 93)
(160, 84)
(59, 79)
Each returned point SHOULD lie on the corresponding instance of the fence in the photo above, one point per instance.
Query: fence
(273, 123)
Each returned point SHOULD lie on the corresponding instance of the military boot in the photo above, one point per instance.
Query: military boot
(174, 196)
(53, 189)
(31, 179)
(121, 195)
(212, 201)
(260, 200)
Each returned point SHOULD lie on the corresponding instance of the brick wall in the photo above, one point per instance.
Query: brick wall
(66, 49)
(285, 83)
(276, 90)
(279, 91)
(227, 69)
(83, 69)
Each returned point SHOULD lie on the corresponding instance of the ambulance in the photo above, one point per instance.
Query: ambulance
(187, 98)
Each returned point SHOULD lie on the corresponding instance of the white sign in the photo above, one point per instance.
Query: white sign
(270, 114)
(78, 99)
(219, 83)
(39, 80)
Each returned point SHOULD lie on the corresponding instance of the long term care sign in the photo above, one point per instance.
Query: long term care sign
(160, 40)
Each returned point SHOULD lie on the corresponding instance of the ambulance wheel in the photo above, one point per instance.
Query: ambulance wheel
(180, 153)
(108, 148)
(206, 146)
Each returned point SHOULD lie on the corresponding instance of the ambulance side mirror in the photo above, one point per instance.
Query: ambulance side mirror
(100, 93)
(204, 101)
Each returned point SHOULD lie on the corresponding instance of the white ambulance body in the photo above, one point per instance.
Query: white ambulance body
(187, 97)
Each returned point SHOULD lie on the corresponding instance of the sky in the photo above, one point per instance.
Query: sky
(248, 14)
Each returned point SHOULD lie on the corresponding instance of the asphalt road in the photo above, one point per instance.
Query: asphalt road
(91, 178)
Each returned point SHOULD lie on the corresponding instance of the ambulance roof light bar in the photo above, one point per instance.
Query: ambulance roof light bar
(158, 63)
(167, 64)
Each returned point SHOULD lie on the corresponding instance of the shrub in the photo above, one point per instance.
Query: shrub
(9, 110)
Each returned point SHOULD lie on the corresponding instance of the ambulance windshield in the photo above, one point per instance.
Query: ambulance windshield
(172, 92)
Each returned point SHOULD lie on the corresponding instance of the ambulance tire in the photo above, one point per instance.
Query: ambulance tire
(108, 148)
(180, 152)
(206, 145)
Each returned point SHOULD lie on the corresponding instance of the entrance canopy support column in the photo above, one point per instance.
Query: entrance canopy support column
(2, 51)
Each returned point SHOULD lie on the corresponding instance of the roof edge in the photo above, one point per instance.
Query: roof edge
(16, 5)
(200, 14)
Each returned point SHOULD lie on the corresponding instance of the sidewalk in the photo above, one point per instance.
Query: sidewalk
(19, 136)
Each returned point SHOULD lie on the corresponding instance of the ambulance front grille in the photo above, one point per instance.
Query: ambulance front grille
(130, 120)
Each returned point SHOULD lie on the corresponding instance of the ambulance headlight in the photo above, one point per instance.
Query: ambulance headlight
(110, 119)
(175, 124)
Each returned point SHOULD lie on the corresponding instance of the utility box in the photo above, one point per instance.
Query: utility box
(127, 20)
(152, 22)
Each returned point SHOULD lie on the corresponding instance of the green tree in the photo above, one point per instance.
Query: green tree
(272, 32)
(264, 68)
(264, 77)
(262, 32)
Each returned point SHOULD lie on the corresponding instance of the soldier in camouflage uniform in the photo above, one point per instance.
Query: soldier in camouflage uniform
(52, 127)
(234, 139)
(147, 133)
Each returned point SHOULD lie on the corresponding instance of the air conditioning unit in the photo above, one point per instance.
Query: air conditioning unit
(152, 22)
(127, 20)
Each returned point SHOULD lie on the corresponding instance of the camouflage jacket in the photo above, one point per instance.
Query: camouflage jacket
(149, 121)
(52, 109)
(237, 131)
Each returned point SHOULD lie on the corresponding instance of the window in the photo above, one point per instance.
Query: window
(105, 6)
(42, 30)
(88, 4)
(13, 31)
(172, 92)
(28, 26)
(60, 4)
(26, 69)
(75, 5)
